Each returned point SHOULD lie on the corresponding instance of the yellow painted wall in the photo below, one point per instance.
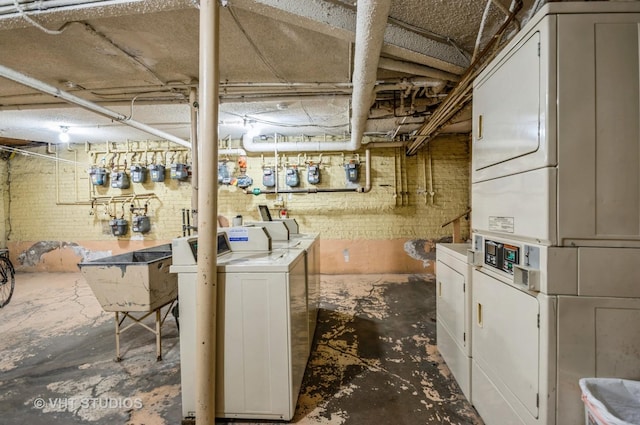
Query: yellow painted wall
(50, 223)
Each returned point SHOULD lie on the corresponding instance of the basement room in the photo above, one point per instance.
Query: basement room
(319, 212)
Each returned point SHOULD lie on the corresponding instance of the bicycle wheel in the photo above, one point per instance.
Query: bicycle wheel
(7, 281)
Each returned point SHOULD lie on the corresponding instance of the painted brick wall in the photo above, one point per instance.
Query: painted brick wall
(393, 228)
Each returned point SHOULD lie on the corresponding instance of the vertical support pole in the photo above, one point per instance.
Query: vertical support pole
(117, 336)
(158, 335)
(206, 283)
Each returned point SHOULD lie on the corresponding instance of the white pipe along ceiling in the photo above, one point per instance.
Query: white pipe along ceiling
(20, 78)
(371, 21)
(325, 75)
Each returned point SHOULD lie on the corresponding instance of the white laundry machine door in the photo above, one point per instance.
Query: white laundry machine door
(262, 336)
(505, 347)
(451, 325)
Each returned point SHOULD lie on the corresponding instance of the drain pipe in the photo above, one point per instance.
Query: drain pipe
(25, 80)
(194, 155)
(206, 282)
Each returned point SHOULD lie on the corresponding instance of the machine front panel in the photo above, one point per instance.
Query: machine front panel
(521, 205)
(450, 300)
(508, 129)
(506, 341)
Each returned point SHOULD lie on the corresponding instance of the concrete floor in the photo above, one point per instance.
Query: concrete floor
(374, 359)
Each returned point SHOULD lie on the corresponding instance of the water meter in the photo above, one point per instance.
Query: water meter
(351, 170)
(157, 172)
(179, 171)
(313, 174)
(98, 176)
(268, 177)
(291, 178)
(244, 181)
(138, 173)
(119, 180)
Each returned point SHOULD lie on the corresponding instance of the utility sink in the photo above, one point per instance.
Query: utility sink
(137, 281)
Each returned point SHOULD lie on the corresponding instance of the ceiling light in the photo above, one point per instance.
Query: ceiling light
(64, 134)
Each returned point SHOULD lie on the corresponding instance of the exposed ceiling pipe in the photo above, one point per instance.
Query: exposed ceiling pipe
(371, 22)
(25, 80)
(416, 69)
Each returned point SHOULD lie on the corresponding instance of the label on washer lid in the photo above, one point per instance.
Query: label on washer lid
(501, 224)
(238, 234)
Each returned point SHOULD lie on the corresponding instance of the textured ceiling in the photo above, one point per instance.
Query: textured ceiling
(285, 65)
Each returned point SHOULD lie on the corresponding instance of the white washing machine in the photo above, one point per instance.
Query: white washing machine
(556, 213)
(285, 234)
(453, 311)
(262, 331)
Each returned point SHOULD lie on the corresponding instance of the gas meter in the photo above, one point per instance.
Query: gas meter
(98, 176)
(268, 177)
(119, 180)
(179, 171)
(313, 174)
(223, 173)
(138, 173)
(351, 170)
(291, 178)
(118, 226)
(157, 172)
(141, 224)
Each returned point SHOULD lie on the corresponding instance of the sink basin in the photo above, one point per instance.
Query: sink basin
(133, 281)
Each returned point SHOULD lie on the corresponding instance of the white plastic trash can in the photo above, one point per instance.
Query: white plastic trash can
(611, 401)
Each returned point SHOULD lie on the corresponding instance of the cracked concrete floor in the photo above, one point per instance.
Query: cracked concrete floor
(374, 359)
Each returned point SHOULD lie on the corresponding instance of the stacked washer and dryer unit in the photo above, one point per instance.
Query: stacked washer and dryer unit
(555, 255)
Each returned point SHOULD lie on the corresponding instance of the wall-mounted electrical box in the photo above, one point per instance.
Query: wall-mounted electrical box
(351, 170)
(141, 224)
(119, 180)
(313, 174)
(157, 172)
(119, 226)
(291, 178)
(268, 177)
(138, 173)
(179, 171)
(98, 176)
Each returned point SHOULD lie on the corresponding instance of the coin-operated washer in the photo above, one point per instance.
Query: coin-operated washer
(262, 328)
(285, 234)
